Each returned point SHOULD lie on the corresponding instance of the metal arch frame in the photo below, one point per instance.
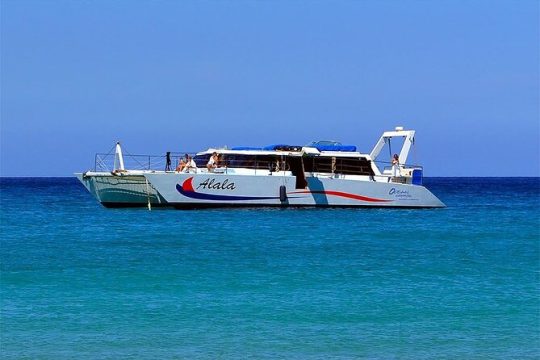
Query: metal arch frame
(404, 153)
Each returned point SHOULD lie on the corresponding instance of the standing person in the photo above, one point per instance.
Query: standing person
(168, 161)
(395, 166)
(212, 162)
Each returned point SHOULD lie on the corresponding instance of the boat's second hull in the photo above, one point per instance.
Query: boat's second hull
(218, 190)
(121, 190)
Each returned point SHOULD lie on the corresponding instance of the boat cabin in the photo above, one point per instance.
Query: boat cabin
(290, 160)
(318, 159)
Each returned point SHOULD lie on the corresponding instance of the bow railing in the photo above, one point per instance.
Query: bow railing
(107, 162)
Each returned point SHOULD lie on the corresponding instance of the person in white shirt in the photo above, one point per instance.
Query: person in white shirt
(190, 165)
(182, 164)
(396, 171)
(212, 162)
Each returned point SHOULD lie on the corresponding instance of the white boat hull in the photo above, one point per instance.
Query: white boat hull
(121, 190)
(209, 189)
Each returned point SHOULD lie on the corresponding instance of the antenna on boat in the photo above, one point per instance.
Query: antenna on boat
(118, 157)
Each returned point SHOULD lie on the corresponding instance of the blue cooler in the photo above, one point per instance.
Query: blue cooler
(417, 177)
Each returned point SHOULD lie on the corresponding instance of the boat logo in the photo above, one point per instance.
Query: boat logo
(186, 189)
(399, 193)
(216, 185)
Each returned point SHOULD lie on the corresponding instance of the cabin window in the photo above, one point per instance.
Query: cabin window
(201, 160)
(338, 165)
(262, 162)
(352, 166)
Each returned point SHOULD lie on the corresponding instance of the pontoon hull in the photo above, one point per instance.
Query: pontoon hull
(218, 190)
(121, 190)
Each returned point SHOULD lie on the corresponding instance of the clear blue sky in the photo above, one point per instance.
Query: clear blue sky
(173, 75)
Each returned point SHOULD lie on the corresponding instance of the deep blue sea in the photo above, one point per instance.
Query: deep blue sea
(79, 281)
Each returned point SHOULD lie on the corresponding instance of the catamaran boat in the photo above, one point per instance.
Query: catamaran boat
(320, 174)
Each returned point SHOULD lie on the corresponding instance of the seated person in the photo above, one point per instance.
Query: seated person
(190, 165)
(219, 160)
(182, 164)
(118, 171)
(212, 162)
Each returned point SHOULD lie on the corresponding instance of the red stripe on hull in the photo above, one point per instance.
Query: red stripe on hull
(342, 194)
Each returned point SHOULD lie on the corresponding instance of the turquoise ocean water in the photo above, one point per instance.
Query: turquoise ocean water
(79, 281)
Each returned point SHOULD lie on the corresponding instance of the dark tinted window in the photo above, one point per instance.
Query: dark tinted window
(348, 166)
(266, 162)
(351, 166)
(201, 160)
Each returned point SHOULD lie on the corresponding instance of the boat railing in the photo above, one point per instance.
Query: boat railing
(251, 164)
(387, 166)
(408, 173)
(332, 166)
(338, 166)
(106, 162)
